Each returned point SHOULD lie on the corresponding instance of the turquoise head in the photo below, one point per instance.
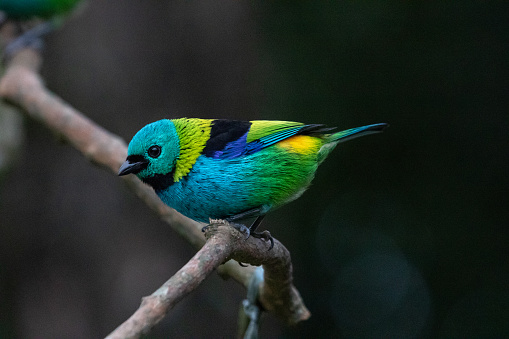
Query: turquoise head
(153, 153)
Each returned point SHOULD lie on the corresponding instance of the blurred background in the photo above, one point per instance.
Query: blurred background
(403, 234)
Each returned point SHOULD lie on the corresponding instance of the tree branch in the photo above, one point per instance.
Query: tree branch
(223, 243)
(154, 307)
(22, 86)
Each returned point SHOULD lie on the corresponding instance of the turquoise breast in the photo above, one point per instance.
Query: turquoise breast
(222, 188)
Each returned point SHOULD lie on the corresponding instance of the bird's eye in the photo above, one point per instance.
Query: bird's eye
(154, 151)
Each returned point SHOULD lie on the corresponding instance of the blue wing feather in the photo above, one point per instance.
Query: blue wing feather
(271, 139)
(219, 148)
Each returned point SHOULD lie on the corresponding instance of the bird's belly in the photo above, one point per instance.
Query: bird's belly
(222, 188)
(201, 200)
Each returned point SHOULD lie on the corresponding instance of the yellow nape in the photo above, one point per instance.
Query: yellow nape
(193, 135)
(303, 144)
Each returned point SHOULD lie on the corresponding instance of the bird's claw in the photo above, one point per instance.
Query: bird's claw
(265, 235)
(242, 229)
(239, 227)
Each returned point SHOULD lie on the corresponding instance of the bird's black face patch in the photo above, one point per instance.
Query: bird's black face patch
(160, 181)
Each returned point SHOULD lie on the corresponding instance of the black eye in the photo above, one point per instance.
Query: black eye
(154, 151)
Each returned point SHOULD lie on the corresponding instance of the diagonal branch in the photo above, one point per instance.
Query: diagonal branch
(154, 307)
(223, 243)
(22, 86)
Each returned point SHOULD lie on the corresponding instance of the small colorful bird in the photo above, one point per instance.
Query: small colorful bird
(232, 170)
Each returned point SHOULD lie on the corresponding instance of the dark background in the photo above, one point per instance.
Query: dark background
(402, 234)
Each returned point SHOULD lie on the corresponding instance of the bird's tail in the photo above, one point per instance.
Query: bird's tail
(356, 132)
(333, 139)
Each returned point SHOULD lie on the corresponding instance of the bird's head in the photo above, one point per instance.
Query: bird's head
(152, 154)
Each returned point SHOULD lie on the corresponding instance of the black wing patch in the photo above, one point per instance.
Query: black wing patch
(222, 133)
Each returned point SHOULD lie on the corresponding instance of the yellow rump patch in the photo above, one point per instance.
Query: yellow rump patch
(303, 144)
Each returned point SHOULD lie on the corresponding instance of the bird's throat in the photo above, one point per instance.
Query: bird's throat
(160, 181)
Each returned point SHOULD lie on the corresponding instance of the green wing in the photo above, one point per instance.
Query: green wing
(264, 128)
(264, 133)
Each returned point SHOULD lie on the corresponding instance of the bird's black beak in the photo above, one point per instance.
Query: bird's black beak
(133, 164)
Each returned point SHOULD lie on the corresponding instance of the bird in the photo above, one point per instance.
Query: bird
(20, 11)
(231, 169)
(28, 9)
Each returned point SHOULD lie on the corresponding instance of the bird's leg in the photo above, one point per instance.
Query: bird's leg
(31, 38)
(251, 231)
(265, 235)
(246, 214)
(240, 227)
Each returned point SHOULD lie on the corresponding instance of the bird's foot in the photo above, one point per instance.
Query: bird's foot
(265, 235)
(239, 227)
(249, 231)
(242, 229)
